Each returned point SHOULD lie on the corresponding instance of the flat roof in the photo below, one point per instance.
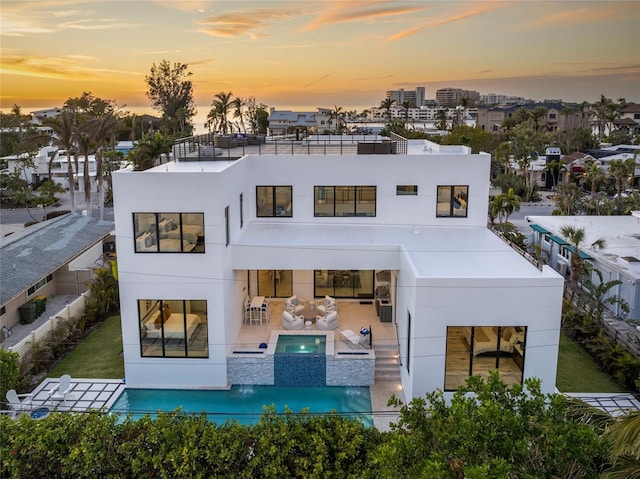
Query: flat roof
(435, 251)
(620, 233)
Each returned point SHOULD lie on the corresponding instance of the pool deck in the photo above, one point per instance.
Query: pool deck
(85, 395)
(100, 394)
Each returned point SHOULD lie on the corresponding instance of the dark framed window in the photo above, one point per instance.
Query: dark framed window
(241, 210)
(452, 201)
(173, 328)
(406, 190)
(274, 201)
(344, 201)
(477, 350)
(408, 365)
(168, 232)
(3, 310)
(40, 284)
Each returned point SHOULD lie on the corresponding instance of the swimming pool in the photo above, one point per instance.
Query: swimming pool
(245, 403)
(301, 344)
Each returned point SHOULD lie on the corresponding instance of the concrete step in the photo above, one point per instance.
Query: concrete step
(388, 375)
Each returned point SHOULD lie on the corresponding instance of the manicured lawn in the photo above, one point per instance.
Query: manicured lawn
(578, 372)
(99, 355)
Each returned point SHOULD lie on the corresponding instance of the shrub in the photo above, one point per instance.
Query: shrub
(10, 376)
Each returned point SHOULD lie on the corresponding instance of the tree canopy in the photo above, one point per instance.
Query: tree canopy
(171, 93)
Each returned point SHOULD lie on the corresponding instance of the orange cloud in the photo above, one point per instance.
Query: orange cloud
(246, 22)
(341, 12)
(475, 10)
(591, 14)
(61, 68)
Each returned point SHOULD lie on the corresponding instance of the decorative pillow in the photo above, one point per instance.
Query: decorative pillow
(288, 316)
(506, 334)
(148, 240)
(294, 300)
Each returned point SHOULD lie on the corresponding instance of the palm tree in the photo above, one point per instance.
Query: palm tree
(219, 114)
(405, 106)
(602, 109)
(103, 130)
(622, 171)
(441, 119)
(386, 105)
(594, 175)
(63, 129)
(337, 113)
(537, 114)
(575, 236)
(238, 104)
(507, 204)
(554, 168)
(521, 115)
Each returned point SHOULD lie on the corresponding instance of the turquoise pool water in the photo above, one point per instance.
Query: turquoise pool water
(301, 344)
(245, 403)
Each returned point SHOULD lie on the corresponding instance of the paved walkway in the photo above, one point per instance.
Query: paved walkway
(54, 305)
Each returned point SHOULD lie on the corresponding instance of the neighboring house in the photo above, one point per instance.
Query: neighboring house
(559, 117)
(618, 260)
(201, 236)
(629, 119)
(40, 170)
(281, 121)
(50, 258)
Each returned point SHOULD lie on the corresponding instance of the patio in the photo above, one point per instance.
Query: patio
(352, 315)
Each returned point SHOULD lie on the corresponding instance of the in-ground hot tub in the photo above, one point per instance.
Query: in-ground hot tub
(301, 344)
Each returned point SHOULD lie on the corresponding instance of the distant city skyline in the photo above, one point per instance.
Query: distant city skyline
(322, 53)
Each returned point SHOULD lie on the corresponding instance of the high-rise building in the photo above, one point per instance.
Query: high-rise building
(450, 97)
(415, 98)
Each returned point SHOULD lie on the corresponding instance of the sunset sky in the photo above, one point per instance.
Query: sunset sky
(304, 53)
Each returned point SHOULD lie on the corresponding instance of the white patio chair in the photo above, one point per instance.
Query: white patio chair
(62, 390)
(18, 405)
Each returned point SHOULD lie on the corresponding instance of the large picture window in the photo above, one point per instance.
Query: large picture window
(173, 328)
(452, 201)
(476, 350)
(344, 201)
(168, 232)
(344, 283)
(274, 201)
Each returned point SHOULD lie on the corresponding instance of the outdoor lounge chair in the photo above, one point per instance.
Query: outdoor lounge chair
(18, 405)
(353, 339)
(62, 390)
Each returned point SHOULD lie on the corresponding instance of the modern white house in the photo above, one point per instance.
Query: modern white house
(195, 238)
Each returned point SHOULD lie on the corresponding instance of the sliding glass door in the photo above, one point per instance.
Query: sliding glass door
(275, 283)
(344, 283)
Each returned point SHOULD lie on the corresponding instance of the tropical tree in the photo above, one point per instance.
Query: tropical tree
(525, 142)
(505, 204)
(554, 168)
(338, 114)
(405, 107)
(602, 110)
(150, 149)
(622, 171)
(386, 105)
(489, 430)
(218, 116)
(594, 175)
(568, 199)
(171, 93)
(536, 115)
(575, 236)
(238, 112)
(521, 115)
(63, 136)
(441, 119)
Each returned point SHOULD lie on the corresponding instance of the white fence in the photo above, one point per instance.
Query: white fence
(73, 311)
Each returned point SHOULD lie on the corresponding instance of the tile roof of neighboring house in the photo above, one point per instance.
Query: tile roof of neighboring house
(38, 250)
(625, 121)
(300, 118)
(631, 108)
